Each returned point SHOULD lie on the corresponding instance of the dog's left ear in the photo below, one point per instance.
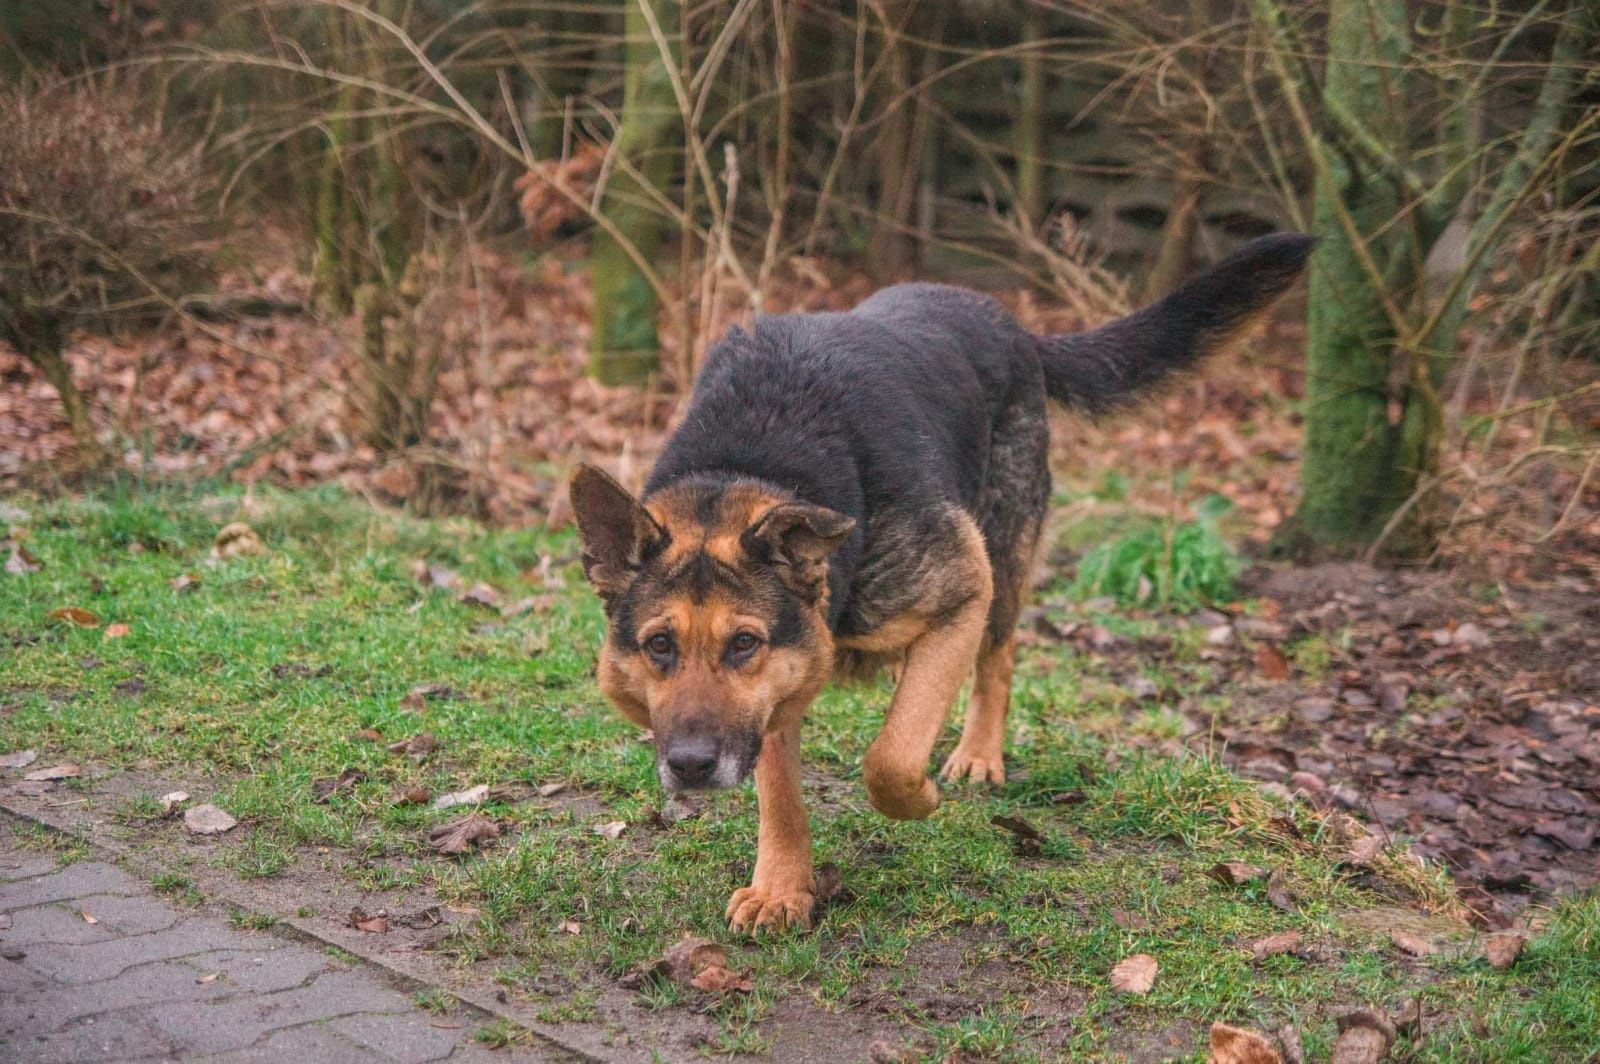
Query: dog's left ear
(614, 528)
(797, 539)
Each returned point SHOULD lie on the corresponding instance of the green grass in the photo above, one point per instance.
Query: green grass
(257, 682)
(1176, 565)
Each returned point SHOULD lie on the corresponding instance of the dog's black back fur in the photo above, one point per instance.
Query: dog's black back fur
(903, 404)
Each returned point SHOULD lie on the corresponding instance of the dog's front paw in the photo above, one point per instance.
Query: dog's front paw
(979, 768)
(755, 909)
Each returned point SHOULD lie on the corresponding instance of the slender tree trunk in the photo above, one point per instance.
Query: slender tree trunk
(624, 346)
(1183, 223)
(892, 250)
(1032, 109)
(1361, 460)
(53, 364)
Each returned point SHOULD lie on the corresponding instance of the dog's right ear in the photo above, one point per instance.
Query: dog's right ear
(615, 529)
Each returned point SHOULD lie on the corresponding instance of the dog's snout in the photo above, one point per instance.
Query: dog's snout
(693, 760)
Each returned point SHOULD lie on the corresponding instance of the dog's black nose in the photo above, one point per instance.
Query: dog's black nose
(693, 760)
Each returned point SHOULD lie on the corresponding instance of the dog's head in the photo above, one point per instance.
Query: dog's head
(716, 596)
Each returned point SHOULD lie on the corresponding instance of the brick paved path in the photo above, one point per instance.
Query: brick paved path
(150, 981)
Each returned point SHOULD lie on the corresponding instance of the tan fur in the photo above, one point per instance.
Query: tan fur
(782, 891)
(979, 756)
(938, 659)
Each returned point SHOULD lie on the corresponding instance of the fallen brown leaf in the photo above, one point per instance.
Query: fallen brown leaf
(471, 796)
(171, 801)
(375, 924)
(1271, 663)
(1503, 949)
(1272, 945)
(829, 882)
(460, 836)
(1236, 873)
(547, 790)
(422, 920)
(1135, 974)
(1364, 1038)
(324, 789)
(116, 630)
(417, 748)
(65, 771)
(1235, 1045)
(412, 795)
(1027, 838)
(75, 615)
(570, 927)
(1415, 945)
(481, 594)
(368, 735)
(716, 979)
(87, 918)
(208, 977)
(611, 829)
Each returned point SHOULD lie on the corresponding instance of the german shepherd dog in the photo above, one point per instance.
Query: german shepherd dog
(865, 483)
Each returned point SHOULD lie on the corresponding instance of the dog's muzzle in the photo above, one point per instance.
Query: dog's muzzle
(703, 760)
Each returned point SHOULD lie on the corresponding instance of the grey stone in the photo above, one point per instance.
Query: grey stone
(96, 961)
(149, 984)
(307, 1044)
(74, 881)
(274, 966)
(239, 1022)
(15, 866)
(409, 1039)
(117, 1037)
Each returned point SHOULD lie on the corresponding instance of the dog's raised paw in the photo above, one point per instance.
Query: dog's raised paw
(975, 768)
(752, 910)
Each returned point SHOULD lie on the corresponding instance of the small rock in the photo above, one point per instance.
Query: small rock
(207, 819)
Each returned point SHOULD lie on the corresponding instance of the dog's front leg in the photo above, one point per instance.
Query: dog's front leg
(782, 892)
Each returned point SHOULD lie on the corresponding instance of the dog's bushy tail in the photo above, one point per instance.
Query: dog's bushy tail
(1095, 370)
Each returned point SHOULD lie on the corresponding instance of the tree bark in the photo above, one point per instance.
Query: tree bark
(624, 346)
(1360, 463)
(53, 364)
(1032, 109)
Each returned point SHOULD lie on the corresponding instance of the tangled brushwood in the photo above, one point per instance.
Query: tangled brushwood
(102, 219)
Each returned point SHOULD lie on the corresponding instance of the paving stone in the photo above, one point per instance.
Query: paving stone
(240, 1022)
(15, 866)
(63, 923)
(147, 984)
(126, 915)
(74, 881)
(127, 988)
(97, 1038)
(409, 1039)
(95, 961)
(308, 1044)
(275, 966)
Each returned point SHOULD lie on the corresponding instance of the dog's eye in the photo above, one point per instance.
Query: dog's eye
(742, 645)
(659, 646)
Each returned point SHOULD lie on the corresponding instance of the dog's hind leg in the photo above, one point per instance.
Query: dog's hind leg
(938, 661)
(980, 755)
(1016, 495)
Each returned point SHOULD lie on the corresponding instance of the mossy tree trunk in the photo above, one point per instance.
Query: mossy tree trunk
(1377, 353)
(1362, 446)
(624, 346)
